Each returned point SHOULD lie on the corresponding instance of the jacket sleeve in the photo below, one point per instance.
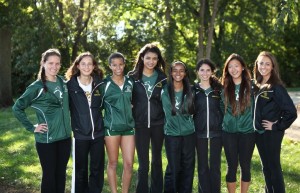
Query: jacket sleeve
(287, 107)
(24, 102)
(101, 89)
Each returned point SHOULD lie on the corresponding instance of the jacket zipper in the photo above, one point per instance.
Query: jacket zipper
(149, 97)
(207, 115)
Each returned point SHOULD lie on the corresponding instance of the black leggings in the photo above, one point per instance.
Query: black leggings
(269, 148)
(238, 149)
(54, 158)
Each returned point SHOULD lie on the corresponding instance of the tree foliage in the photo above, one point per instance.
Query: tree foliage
(185, 30)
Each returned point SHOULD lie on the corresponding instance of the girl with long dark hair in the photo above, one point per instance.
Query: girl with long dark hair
(179, 129)
(208, 119)
(274, 113)
(149, 79)
(238, 132)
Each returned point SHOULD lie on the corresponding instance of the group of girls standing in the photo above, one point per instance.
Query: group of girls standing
(144, 108)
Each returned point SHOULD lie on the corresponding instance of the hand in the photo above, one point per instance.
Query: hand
(41, 128)
(267, 124)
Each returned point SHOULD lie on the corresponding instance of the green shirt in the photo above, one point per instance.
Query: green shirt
(149, 82)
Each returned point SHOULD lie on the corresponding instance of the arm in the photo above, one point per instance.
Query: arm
(287, 107)
(24, 102)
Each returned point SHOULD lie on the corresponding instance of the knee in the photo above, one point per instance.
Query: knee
(231, 174)
(112, 164)
(246, 175)
(128, 166)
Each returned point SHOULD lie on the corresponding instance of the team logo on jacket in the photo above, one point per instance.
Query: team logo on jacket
(265, 95)
(59, 94)
(97, 93)
(128, 88)
(159, 85)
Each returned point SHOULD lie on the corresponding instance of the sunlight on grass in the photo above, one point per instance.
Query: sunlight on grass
(20, 168)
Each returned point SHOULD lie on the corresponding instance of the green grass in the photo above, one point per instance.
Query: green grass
(20, 169)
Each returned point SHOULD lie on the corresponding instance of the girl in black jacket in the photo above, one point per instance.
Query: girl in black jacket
(274, 112)
(86, 119)
(149, 77)
(208, 119)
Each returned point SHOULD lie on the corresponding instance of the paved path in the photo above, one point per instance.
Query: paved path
(294, 131)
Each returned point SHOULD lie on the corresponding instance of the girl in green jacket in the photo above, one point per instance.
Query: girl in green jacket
(118, 121)
(180, 138)
(238, 132)
(48, 96)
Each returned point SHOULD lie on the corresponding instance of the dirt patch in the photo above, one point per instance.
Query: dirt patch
(9, 188)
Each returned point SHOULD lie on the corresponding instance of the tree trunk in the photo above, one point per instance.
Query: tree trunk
(5, 65)
(211, 29)
(201, 30)
(169, 33)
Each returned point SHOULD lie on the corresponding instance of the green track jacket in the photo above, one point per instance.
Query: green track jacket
(179, 124)
(48, 108)
(242, 123)
(117, 105)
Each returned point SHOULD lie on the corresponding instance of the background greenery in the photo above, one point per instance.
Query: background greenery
(20, 169)
(184, 29)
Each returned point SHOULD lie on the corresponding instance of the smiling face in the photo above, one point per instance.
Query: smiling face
(264, 66)
(52, 66)
(235, 69)
(117, 66)
(150, 61)
(204, 72)
(178, 72)
(86, 66)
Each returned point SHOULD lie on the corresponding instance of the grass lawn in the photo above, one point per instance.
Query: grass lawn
(20, 170)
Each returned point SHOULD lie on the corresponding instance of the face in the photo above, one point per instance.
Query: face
(204, 72)
(178, 72)
(264, 66)
(235, 70)
(52, 66)
(150, 60)
(86, 66)
(117, 66)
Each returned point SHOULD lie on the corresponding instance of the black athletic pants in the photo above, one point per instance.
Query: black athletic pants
(179, 173)
(89, 165)
(143, 138)
(54, 158)
(209, 164)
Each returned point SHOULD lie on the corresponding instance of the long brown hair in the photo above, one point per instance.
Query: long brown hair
(137, 72)
(275, 76)
(74, 71)
(44, 58)
(229, 87)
